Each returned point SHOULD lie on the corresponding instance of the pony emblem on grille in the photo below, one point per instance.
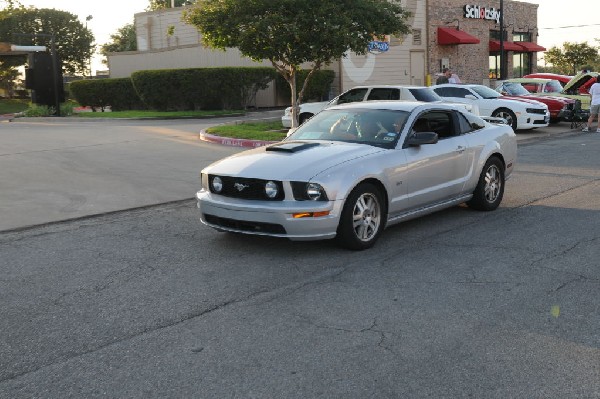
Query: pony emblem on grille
(240, 186)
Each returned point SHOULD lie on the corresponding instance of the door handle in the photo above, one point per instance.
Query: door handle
(460, 149)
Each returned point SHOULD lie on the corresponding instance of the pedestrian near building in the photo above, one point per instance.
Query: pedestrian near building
(594, 107)
(445, 77)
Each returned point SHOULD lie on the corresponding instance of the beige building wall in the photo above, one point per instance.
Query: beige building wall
(403, 63)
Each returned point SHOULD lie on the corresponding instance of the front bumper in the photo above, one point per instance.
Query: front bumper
(269, 218)
(530, 121)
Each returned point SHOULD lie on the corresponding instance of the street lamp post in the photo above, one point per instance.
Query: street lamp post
(502, 60)
(87, 19)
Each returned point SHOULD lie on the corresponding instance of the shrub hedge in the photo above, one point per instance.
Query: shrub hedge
(100, 93)
(201, 88)
(318, 87)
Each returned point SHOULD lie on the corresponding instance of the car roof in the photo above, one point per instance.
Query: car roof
(389, 87)
(393, 105)
(530, 80)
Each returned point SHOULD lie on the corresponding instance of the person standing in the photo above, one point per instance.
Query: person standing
(444, 78)
(594, 107)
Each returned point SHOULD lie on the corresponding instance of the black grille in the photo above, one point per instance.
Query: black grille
(251, 189)
(244, 225)
(536, 111)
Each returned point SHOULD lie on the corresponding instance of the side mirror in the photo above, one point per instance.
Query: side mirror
(421, 138)
(470, 97)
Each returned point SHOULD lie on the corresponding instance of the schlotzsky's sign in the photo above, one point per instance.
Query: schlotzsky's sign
(479, 12)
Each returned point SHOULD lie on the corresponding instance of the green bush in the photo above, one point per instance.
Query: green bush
(318, 87)
(201, 88)
(36, 110)
(117, 93)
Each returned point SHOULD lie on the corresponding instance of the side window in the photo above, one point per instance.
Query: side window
(353, 95)
(384, 93)
(460, 92)
(439, 122)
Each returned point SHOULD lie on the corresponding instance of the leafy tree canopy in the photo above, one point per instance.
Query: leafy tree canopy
(290, 33)
(161, 4)
(123, 40)
(572, 57)
(73, 41)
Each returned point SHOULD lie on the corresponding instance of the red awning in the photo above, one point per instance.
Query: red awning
(508, 46)
(454, 36)
(530, 47)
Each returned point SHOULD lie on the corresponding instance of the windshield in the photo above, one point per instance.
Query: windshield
(553, 86)
(425, 94)
(485, 92)
(514, 89)
(367, 126)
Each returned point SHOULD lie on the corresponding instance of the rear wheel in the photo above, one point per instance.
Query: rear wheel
(362, 219)
(490, 188)
(508, 115)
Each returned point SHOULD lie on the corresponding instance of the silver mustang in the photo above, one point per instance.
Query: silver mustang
(354, 169)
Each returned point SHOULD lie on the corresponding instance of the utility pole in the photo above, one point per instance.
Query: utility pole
(502, 60)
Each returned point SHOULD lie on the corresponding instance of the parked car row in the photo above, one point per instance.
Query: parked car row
(518, 112)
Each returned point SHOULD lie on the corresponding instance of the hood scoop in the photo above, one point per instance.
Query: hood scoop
(292, 146)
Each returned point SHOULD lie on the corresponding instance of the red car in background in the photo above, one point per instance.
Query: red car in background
(563, 79)
(578, 84)
(556, 105)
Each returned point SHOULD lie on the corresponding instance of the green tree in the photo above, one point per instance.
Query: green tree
(73, 41)
(123, 40)
(572, 57)
(8, 78)
(290, 33)
(161, 4)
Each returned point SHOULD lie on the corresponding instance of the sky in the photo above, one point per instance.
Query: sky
(558, 20)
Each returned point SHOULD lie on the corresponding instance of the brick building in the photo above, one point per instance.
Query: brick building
(466, 37)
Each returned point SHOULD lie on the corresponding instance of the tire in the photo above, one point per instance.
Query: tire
(363, 218)
(490, 187)
(304, 117)
(507, 114)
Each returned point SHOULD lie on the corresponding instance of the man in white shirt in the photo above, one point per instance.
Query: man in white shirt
(594, 107)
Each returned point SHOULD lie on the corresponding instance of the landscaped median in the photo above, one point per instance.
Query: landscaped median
(245, 134)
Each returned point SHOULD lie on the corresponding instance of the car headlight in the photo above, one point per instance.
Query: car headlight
(217, 184)
(271, 189)
(314, 191)
(304, 191)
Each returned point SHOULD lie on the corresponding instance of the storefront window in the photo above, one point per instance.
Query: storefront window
(521, 61)
(494, 72)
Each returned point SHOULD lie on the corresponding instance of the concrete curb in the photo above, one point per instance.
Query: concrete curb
(246, 143)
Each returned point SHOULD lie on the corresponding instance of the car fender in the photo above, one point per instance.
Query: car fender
(341, 179)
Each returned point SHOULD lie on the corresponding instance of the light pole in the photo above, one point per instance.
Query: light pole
(502, 61)
(87, 19)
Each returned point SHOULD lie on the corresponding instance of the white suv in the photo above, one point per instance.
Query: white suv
(365, 93)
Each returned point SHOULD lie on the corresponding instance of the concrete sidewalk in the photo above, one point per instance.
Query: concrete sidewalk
(54, 169)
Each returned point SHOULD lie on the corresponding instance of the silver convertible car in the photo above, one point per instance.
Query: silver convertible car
(354, 169)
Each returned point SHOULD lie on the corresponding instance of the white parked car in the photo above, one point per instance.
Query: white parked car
(354, 169)
(365, 93)
(518, 113)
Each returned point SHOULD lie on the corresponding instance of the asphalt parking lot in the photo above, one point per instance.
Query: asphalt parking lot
(56, 169)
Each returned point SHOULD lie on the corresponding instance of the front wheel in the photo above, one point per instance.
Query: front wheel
(508, 115)
(490, 188)
(362, 219)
